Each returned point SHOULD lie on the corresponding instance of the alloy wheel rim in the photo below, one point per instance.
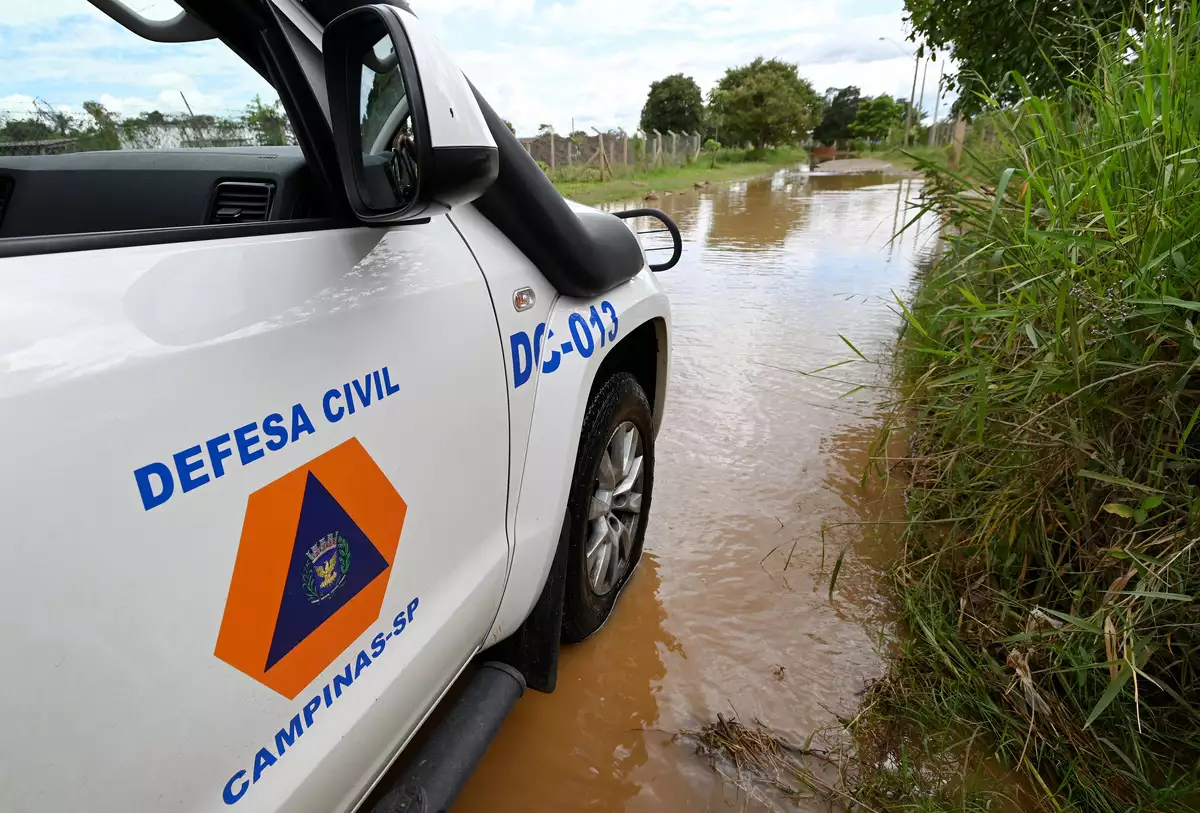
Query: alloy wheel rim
(614, 509)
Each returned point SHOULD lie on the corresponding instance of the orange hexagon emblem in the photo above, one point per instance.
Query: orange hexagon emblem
(312, 568)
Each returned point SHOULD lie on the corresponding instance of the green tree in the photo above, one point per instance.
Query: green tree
(43, 123)
(1047, 43)
(838, 115)
(674, 103)
(24, 129)
(102, 133)
(765, 102)
(877, 116)
(267, 122)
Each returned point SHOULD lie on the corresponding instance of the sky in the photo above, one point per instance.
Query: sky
(536, 61)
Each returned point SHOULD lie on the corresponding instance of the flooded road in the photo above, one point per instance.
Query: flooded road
(752, 457)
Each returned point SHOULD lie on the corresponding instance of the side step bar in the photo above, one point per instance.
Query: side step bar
(433, 780)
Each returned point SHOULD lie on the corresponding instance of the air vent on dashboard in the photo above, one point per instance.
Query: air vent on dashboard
(6, 187)
(241, 202)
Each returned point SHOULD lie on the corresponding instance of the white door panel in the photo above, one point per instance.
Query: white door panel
(211, 363)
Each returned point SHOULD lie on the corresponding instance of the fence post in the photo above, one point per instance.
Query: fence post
(552, 151)
(657, 147)
(699, 145)
(624, 146)
(602, 155)
(674, 151)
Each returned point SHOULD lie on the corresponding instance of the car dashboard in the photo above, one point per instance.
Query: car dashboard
(87, 192)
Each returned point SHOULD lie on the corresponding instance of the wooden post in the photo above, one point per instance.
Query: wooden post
(551, 150)
(657, 148)
(624, 147)
(603, 154)
(699, 146)
(674, 150)
(960, 134)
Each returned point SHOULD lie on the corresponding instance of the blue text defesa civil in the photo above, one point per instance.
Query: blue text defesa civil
(196, 465)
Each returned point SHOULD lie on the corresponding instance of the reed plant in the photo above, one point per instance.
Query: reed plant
(1050, 369)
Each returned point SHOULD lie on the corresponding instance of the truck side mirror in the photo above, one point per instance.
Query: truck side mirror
(410, 137)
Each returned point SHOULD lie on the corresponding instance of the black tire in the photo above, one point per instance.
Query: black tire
(618, 401)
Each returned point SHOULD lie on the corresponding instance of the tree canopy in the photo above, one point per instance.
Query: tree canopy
(765, 102)
(1047, 43)
(838, 115)
(674, 103)
(877, 116)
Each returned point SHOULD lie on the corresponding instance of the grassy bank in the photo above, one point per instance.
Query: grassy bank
(914, 157)
(1051, 377)
(584, 185)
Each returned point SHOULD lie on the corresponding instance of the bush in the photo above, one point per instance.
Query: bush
(1052, 369)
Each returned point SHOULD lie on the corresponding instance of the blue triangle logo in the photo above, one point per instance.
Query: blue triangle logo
(332, 561)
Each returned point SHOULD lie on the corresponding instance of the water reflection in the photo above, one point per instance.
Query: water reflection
(755, 458)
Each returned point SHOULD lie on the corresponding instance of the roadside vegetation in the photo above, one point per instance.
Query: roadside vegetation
(583, 184)
(1050, 368)
(259, 124)
(764, 106)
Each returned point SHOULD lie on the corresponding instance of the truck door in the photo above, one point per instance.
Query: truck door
(254, 493)
(253, 484)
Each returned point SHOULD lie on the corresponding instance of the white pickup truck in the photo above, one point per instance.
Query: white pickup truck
(292, 435)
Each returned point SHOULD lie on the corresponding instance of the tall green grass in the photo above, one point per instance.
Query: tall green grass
(1051, 369)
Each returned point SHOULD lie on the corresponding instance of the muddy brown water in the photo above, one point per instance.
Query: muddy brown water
(752, 457)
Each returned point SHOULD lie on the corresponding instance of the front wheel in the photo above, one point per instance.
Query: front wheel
(609, 503)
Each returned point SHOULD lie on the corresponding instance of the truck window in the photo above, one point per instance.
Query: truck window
(76, 81)
(102, 131)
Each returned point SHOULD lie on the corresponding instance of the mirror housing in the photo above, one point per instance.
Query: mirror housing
(451, 157)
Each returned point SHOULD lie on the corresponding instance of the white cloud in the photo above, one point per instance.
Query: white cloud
(594, 60)
(40, 12)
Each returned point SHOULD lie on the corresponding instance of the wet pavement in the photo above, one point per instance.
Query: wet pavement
(753, 457)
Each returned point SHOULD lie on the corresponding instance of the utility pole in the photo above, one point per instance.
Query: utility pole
(921, 101)
(936, 104)
(912, 97)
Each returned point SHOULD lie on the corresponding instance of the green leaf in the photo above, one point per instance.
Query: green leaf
(1152, 502)
(1139, 516)
(1086, 626)
(1167, 300)
(852, 347)
(1110, 694)
(1119, 510)
(1109, 220)
(1117, 481)
(1001, 188)
(1155, 594)
(837, 568)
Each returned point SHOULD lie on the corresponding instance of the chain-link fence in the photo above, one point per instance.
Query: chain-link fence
(615, 147)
